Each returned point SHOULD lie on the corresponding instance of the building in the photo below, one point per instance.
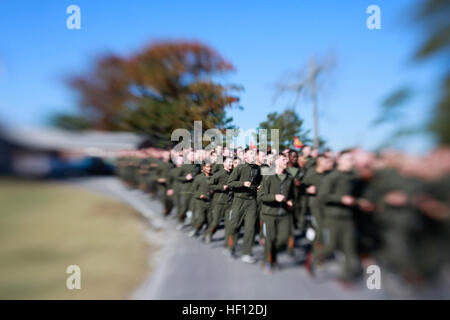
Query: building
(51, 152)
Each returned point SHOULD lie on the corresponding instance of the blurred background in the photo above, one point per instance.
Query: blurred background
(71, 99)
(376, 87)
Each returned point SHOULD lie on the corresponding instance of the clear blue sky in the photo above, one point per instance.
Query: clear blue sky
(263, 39)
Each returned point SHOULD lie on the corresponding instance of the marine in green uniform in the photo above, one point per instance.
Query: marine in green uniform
(151, 178)
(277, 196)
(186, 176)
(222, 199)
(244, 181)
(302, 213)
(173, 184)
(336, 195)
(216, 165)
(164, 180)
(202, 199)
(135, 167)
(297, 174)
(143, 172)
(265, 170)
(312, 183)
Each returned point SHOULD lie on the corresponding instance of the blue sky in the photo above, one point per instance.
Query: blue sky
(263, 39)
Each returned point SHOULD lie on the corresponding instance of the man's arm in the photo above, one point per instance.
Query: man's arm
(264, 194)
(325, 193)
(214, 182)
(233, 180)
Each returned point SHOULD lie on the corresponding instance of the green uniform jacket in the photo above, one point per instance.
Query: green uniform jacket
(335, 185)
(216, 168)
(313, 178)
(163, 171)
(245, 172)
(298, 174)
(310, 163)
(185, 169)
(144, 167)
(172, 181)
(217, 182)
(271, 186)
(151, 165)
(201, 186)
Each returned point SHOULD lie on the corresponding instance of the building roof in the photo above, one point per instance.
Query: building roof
(44, 138)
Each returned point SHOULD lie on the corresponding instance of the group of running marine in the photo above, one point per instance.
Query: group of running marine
(391, 207)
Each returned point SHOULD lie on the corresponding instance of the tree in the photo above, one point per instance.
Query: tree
(392, 110)
(166, 86)
(70, 122)
(289, 125)
(433, 14)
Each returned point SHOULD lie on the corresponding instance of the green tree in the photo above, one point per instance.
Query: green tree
(71, 122)
(289, 125)
(434, 15)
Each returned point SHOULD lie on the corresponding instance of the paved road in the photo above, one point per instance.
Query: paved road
(190, 269)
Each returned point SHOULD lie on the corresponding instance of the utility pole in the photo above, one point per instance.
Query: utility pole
(312, 77)
(308, 83)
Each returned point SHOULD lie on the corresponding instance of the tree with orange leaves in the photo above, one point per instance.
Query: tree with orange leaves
(166, 86)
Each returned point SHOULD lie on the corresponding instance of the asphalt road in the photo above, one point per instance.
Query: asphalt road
(190, 269)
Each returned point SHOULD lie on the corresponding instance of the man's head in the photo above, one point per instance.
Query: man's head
(236, 162)
(228, 163)
(306, 151)
(207, 168)
(261, 156)
(179, 159)
(189, 155)
(328, 153)
(345, 161)
(281, 162)
(240, 153)
(249, 156)
(226, 152)
(314, 153)
(293, 157)
(219, 150)
(166, 155)
(324, 163)
(212, 156)
(199, 155)
(364, 162)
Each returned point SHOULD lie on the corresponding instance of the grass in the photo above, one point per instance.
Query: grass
(45, 227)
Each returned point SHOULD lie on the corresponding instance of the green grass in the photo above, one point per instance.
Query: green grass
(45, 227)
